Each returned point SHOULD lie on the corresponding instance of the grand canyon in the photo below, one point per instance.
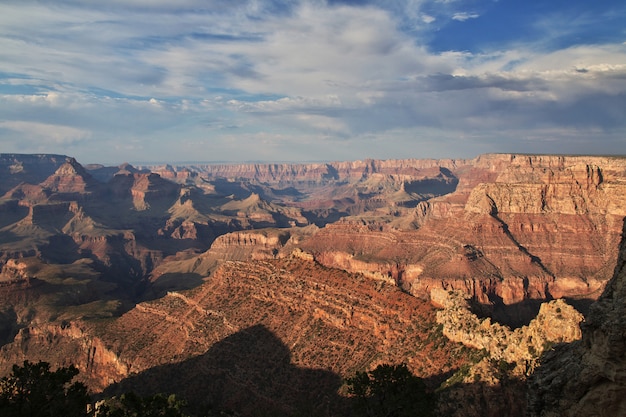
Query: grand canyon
(259, 288)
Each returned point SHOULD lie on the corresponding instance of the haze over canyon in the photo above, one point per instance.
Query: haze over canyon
(258, 288)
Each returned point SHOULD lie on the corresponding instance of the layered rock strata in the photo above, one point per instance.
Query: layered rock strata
(516, 228)
(588, 378)
(316, 318)
(494, 384)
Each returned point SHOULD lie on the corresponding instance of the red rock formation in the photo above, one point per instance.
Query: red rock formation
(588, 378)
(538, 227)
(26, 168)
(504, 229)
(326, 319)
(70, 178)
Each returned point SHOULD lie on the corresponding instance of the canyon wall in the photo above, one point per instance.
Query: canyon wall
(588, 378)
(33, 169)
(313, 172)
(502, 228)
(516, 228)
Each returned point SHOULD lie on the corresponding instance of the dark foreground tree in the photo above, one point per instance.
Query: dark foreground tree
(33, 390)
(132, 405)
(390, 391)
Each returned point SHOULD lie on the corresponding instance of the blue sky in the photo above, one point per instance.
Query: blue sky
(311, 80)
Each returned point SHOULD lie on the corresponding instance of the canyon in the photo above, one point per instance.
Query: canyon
(165, 276)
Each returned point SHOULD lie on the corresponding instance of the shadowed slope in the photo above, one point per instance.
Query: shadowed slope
(249, 372)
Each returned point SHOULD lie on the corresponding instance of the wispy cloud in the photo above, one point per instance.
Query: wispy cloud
(463, 16)
(45, 134)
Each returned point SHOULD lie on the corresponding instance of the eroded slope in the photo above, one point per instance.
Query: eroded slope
(325, 319)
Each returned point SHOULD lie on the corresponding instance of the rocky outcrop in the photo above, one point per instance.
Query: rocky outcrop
(181, 174)
(493, 384)
(13, 271)
(254, 212)
(262, 238)
(588, 378)
(27, 168)
(27, 194)
(244, 245)
(71, 179)
(65, 344)
(556, 322)
(149, 187)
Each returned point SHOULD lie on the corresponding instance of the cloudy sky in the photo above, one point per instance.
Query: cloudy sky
(311, 80)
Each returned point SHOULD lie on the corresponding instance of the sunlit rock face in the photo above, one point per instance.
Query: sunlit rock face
(556, 322)
(516, 228)
(494, 383)
(588, 378)
(319, 321)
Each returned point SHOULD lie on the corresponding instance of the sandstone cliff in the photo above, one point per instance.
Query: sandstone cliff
(494, 383)
(556, 322)
(516, 228)
(70, 178)
(588, 378)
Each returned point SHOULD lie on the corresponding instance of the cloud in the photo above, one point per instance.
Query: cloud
(46, 134)
(229, 78)
(463, 16)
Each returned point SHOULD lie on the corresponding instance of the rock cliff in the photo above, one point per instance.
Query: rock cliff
(316, 172)
(70, 178)
(588, 378)
(27, 168)
(505, 229)
(494, 383)
(516, 228)
(556, 322)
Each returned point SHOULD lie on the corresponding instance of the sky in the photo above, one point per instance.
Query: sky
(311, 80)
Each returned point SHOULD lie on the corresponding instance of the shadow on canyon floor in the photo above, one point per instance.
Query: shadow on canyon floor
(169, 281)
(513, 315)
(521, 314)
(249, 373)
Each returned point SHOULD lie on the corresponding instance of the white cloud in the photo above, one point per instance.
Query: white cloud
(324, 123)
(288, 104)
(463, 16)
(45, 133)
